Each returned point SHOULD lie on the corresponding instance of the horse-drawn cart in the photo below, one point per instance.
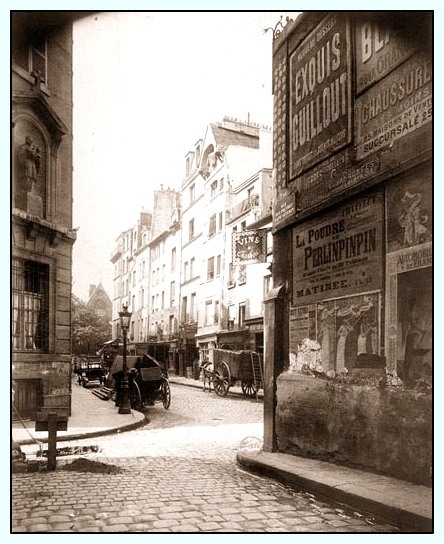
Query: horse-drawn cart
(147, 380)
(232, 366)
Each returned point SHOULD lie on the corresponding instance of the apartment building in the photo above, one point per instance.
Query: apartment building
(231, 155)
(190, 265)
(131, 265)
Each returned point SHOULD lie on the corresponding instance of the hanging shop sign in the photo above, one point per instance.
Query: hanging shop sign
(249, 246)
(340, 254)
(380, 48)
(394, 107)
(320, 97)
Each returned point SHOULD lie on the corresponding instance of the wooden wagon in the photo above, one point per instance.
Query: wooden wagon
(147, 378)
(229, 367)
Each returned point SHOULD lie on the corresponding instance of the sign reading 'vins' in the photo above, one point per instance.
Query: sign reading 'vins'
(249, 246)
(340, 254)
(320, 112)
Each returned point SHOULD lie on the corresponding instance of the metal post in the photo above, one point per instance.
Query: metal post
(52, 441)
(125, 405)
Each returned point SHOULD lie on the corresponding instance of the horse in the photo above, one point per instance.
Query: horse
(207, 372)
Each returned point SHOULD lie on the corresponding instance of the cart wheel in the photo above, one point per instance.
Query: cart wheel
(135, 396)
(249, 389)
(221, 379)
(166, 393)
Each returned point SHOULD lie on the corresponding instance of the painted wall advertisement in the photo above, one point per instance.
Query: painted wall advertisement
(249, 246)
(320, 96)
(334, 175)
(394, 107)
(380, 48)
(341, 254)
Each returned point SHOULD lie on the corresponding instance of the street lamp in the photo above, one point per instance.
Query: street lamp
(125, 405)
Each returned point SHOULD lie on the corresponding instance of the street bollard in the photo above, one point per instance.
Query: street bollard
(51, 422)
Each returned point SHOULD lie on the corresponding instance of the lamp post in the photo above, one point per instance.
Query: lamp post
(125, 405)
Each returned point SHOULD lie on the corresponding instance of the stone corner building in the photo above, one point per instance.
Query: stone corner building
(42, 234)
(349, 322)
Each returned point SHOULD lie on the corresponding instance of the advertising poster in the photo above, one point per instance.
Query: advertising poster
(340, 254)
(397, 106)
(320, 110)
(380, 48)
(356, 332)
(410, 210)
(346, 330)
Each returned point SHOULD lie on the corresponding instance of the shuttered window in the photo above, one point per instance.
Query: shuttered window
(32, 57)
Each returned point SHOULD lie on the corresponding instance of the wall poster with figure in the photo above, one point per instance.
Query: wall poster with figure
(409, 276)
(346, 331)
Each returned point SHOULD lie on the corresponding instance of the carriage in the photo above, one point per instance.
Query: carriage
(147, 380)
(229, 367)
(90, 370)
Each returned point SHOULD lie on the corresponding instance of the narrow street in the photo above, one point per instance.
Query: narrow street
(176, 474)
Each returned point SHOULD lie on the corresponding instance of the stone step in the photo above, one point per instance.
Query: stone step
(101, 394)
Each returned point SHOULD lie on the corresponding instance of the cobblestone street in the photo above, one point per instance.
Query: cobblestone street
(176, 474)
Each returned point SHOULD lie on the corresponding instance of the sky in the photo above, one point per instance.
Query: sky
(146, 84)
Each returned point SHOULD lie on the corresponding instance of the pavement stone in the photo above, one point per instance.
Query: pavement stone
(182, 471)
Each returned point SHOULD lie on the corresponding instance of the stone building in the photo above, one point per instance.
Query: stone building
(349, 339)
(42, 233)
(99, 302)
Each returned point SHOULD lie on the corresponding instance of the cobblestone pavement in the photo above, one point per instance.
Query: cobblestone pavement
(178, 474)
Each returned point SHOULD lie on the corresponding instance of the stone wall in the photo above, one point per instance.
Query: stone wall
(365, 425)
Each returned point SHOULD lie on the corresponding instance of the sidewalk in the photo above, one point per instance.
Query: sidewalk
(399, 502)
(90, 417)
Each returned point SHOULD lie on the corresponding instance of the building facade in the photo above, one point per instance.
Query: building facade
(233, 152)
(131, 261)
(99, 302)
(192, 304)
(42, 233)
(352, 229)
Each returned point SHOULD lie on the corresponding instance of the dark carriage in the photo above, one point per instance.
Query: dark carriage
(244, 366)
(147, 380)
(90, 370)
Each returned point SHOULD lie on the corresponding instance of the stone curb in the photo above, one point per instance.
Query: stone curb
(93, 434)
(399, 517)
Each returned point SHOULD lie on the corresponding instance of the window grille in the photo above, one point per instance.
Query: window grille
(30, 305)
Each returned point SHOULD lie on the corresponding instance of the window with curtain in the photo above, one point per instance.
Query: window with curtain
(30, 305)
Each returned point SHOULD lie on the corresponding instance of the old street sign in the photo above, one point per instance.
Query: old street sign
(249, 246)
(320, 94)
(340, 254)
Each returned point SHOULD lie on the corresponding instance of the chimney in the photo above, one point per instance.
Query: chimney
(91, 290)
